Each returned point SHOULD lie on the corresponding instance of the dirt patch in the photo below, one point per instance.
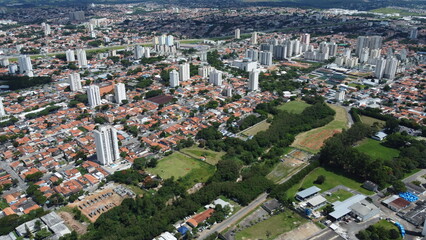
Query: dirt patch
(72, 223)
(93, 206)
(300, 233)
(315, 141)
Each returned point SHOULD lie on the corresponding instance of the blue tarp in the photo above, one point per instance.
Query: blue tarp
(183, 230)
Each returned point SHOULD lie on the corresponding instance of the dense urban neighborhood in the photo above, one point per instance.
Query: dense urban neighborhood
(165, 121)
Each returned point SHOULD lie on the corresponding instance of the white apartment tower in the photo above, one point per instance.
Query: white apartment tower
(266, 58)
(94, 96)
(139, 52)
(75, 83)
(305, 38)
(203, 56)
(254, 80)
(106, 145)
(2, 112)
(70, 55)
(237, 33)
(184, 72)
(390, 69)
(380, 68)
(174, 78)
(120, 92)
(81, 58)
(216, 78)
(25, 66)
(254, 38)
(170, 40)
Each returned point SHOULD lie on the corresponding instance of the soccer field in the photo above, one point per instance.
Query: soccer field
(189, 170)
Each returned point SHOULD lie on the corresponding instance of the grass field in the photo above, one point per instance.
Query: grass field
(332, 179)
(210, 156)
(294, 106)
(375, 150)
(253, 130)
(370, 121)
(339, 195)
(312, 141)
(272, 227)
(178, 165)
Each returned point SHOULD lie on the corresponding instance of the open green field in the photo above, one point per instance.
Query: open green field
(178, 165)
(312, 141)
(370, 121)
(393, 10)
(272, 227)
(296, 107)
(210, 156)
(374, 149)
(253, 130)
(339, 195)
(332, 179)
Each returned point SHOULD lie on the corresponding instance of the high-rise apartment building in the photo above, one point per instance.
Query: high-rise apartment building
(305, 38)
(380, 68)
(74, 81)
(106, 142)
(70, 55)
(2, 112)
(215, 78)
(82, 58)
(184, 72)
(254, 38)
(254, 80)
(120, 92)
(390, 69)
(237, 33)
(174, 78)
(94, 96)
(25, 66)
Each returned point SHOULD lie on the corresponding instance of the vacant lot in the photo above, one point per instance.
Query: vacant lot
(370, 121)
(178, 165)
(376, 150)
(93, 206)
(209, 156)
(291, 162)
(294, 106)
(387, 225)
(253, 130)
(272, 227)
(339, 195)
(313, 140)
(332, 179)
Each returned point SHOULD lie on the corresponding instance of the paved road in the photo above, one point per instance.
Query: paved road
(234, 218)
(22, 186)
(241, 213)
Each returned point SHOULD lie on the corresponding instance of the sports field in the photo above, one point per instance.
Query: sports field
(374, 149)
(209, 156)
(332, 179)
(178, 165)
(272, 227)
(296, 107)
(312, 141)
